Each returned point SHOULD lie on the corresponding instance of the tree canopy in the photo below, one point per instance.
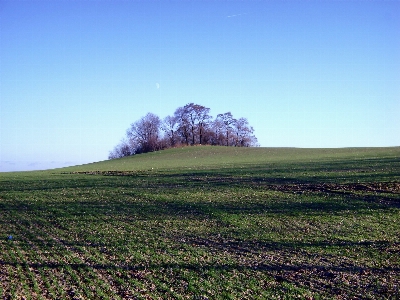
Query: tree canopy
(190, 125)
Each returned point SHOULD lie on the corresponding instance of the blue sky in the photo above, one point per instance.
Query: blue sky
(75, 74)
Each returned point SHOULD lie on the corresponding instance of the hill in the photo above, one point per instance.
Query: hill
(204, 157)
(206, 223)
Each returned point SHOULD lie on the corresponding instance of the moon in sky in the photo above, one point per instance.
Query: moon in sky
(157, 85)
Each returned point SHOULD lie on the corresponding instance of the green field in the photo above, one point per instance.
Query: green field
(206, 223)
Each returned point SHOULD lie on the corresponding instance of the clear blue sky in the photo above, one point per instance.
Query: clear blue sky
(75, 74)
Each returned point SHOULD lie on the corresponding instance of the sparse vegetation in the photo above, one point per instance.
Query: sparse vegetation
(206, 223)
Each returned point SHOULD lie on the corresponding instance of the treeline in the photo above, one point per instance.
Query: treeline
(189, 125)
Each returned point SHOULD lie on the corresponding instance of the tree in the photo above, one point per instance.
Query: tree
(226, 120)
(202, 117)
(124, 148)
(190, 125)
(243, 133)
(182, 119)
(145, 133)
(216, 132)
(170, 127)
(192, 119)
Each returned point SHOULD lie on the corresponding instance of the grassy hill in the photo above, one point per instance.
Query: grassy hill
(206, 223)
(206, 157)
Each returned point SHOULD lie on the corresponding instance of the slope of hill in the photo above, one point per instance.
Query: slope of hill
(206, 223)
(204, 157)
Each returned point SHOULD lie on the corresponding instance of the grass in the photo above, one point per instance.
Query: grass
(206, 223)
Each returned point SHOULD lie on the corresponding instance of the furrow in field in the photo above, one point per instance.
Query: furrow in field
(83, 270)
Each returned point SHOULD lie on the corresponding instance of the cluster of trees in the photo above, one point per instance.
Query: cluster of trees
(189, 125)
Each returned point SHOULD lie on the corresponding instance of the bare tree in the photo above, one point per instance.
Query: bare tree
(190, 124)
(226, 120)
(145, 133)
(191, 117)
(202, 118)
(194, 119)
(216, 135)
(183, 124)
(170, 127)
(243, 133)
(124, 148)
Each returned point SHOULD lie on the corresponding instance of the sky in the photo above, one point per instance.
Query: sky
(75, 74)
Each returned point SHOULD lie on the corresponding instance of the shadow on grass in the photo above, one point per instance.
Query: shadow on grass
(62, 202)
(92, 211)
(321, 278)
(202, 267)
(256, 247)
(307, 172)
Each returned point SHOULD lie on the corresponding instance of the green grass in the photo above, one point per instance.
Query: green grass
(206, 223)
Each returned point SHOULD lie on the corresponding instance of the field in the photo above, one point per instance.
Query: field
(206, 223)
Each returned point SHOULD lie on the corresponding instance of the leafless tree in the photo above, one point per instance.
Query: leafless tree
(145, 133)
(193, 121)
(243, 133)
(227, 121)
(216, 133)
(202, 118)
(124, 148)
(190, 125)
(192, 118)
(182, 118)
(170, 127)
